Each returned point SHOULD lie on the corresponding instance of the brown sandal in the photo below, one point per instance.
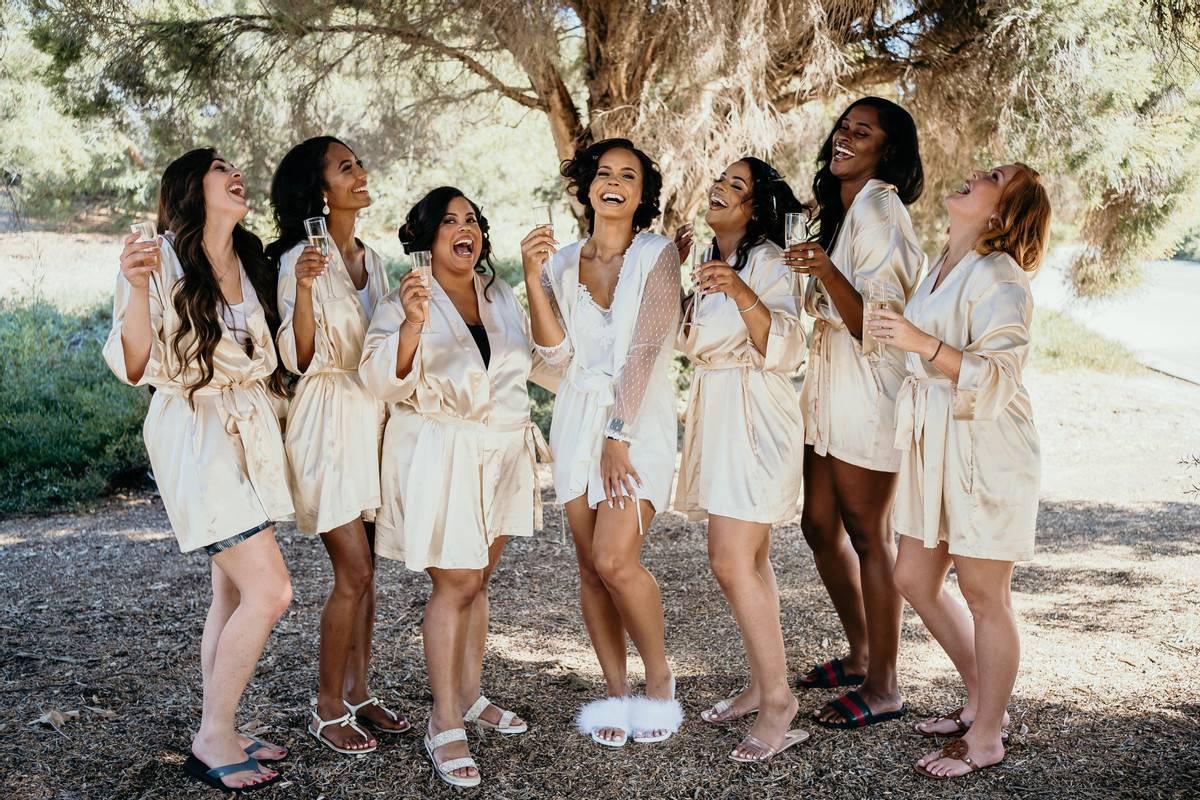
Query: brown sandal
(956, 750)
(961, 726)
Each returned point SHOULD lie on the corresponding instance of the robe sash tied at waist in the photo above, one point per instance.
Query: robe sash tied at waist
(923, 409)
(420, 518)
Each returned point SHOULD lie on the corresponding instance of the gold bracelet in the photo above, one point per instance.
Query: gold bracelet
(757, 300)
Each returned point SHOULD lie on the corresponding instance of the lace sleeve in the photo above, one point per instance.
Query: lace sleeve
(655, 324)
(558, 356)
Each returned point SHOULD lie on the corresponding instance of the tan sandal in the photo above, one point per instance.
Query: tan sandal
(961, 726)
(504, 726)
(957, 750)
(765, 752)
(716, 714)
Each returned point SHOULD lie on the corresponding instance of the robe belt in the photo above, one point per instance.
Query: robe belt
(535, 448)
(818, 356)
(923, 409)
(242, 421)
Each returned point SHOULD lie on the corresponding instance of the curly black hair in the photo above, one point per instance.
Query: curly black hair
(581, 169)
(297, 192)
(771, 198)
(421, 226)
(900, 164)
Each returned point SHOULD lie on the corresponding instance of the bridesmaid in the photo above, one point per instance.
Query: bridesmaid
(334, 425)
(604, 309)
(968, 493)
(744, 435)
(194, 317)
(452, 360)
(869, 169)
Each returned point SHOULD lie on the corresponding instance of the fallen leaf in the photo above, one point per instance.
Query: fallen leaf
(107, 713)
(56, 719)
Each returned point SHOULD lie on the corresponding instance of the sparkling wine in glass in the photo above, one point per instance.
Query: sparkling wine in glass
(700, 257)
(543, 216)
(318, 237)
(146, 232)
(795, 231)
(422, 264)
(875, 299)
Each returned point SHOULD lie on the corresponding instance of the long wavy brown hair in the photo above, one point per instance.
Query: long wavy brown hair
(1022, 220)
(197, 296)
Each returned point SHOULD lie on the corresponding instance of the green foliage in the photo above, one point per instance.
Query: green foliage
(69, 429)
(1061, 343)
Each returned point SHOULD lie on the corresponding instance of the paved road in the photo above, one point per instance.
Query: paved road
(1157, 320)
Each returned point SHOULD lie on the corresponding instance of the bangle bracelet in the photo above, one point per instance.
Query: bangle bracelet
(935, 352)
(757, 300)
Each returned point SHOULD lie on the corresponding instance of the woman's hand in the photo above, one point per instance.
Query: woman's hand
(809, 258)
(536, 248)
(414, 297)
(138, 260)
(684, 236)
(310, 266)
(616, 470)
(891, 328)
(717, 276)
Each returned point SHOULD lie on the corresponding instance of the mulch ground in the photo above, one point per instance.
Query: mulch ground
(100, 621)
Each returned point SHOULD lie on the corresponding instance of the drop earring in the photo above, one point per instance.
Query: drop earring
(325, 208)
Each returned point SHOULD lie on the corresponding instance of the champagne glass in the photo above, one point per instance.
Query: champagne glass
(544, 216)
(875, 295)
(422, 264)
(146, 232)
(795, 231)
(700, 257)
(318, 237)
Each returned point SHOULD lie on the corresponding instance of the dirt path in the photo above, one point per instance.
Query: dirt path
(101, 616)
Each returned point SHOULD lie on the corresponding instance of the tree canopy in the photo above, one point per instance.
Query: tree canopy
(1102, 97)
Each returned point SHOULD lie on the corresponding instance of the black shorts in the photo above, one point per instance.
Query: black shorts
(225, 544)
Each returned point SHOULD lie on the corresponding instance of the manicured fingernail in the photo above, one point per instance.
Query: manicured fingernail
(610, 505)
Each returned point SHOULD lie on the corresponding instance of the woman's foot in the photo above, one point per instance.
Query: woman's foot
(743, 703)
(261, 749)
(371, 711)
(342, 737)
(493, 716)
(960, 757)
(835, 673)
(774, 720)
(656, 716)
(455, 748)
(877, 704)
(218, 752)
(949, 724)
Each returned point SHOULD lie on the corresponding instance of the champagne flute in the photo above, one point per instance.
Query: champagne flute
(795, 231)
(422, 264)
(876, 294)
(544, 216)
(700, 257)
(318, 237)
(146, 232)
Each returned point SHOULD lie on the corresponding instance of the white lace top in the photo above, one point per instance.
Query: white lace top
(595, 342)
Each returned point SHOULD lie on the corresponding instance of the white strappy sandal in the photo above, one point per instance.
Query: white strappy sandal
(445, 769)
(345, 721)
(375, 701)
(505, 725)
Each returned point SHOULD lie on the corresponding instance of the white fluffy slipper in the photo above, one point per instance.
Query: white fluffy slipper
(611, 712)
(646, 715)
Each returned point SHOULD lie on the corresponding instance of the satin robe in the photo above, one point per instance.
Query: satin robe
(849, 394)
(334, 425)
(972, 465)
(636, 394)
(743, 441)
(220, 465)
(459, 465)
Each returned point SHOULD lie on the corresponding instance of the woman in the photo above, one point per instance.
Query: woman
(334, 424)
(969, 479)
(603, 310)
(194, 318)
(744, 434)
(869, 169)
(452, 359)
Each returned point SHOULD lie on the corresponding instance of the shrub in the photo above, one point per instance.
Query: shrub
(69, 431)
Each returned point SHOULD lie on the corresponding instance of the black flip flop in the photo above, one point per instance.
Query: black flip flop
(258, 744)
(198, 770)
(830, 675)
(856, 713)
